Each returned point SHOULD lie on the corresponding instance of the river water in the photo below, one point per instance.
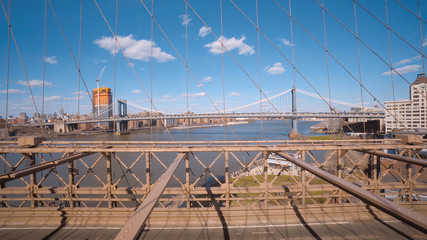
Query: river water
(129, 170)
(271, 130)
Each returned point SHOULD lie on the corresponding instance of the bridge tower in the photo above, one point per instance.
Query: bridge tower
(123, 108)
(122, 125)
(294, 109)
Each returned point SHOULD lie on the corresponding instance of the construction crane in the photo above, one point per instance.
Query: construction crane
(97, 82)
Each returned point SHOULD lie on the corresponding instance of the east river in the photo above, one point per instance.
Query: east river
(125, 163)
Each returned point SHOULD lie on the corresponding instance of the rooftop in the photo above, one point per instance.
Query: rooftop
(421, 78)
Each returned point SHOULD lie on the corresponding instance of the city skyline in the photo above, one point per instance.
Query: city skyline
(204, 53)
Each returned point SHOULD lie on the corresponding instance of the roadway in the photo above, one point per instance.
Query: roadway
(371, 229)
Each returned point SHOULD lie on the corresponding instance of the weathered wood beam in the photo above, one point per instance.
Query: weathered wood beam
(136, 223)
(40, 167)
(404, 214)
(396, 157)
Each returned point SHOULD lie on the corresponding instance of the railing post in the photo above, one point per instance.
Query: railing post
(107, 157)
(33, 180)
(339, 172)
(375, 172)
(303, 180)
(70, 182)
(227, 181)
(148, 171)
(409, 178)
(266, 154)
(187, 179)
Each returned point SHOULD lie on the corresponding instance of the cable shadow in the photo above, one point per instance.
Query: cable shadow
(300, 217)
(220, 215)
(63, 223)
(386, 224)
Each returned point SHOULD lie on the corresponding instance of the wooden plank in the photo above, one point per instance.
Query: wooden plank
(404, 214)
(211, 148)
(136, 223)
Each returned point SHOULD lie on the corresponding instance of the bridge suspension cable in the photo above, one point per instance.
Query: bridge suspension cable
(259, 65)
(294, 104)
(69, 49)
(237, 62)
(130, 65)
(183, 61)
(280, 52)
(8, 65)
(373, 51)
(80, 60)
(44, 58)
(333, 57)
(20, 58)
(327, 62)
(259, 101)
(358, 59)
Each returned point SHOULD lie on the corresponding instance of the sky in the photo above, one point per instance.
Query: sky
(246, 65)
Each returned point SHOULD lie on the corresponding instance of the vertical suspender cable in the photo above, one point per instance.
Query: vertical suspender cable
(391, 62)
(327, 66)
(222, 61)
(358, 61)
(44, 58)
(259, 66)
(115, 69)
(422, 50)
(151, 70)
(7, 71)
(80, 61)
(20, 60)
(293, 64)
(421, 36)
(186, 63)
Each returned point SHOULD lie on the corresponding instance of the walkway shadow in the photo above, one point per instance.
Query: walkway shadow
(386, 224)
(220, 215)
(300, 217)
(63, 223)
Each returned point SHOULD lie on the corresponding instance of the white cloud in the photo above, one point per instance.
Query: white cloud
(134, 49)
(405, 69)
(203, 31)
(193, 95)
(234, 94)
(53, 98)
(425, 42)
(12, 91)
(51, 60)
(136, 91)
(97, 61)
(77, 93)
(185, 19)
(35, 83)
(131, 64)
(231, 44)
(166, 96)
(286, 42)
(277, 68)
(206, 79)
(58, 98)
(200, 85)
(407, 60)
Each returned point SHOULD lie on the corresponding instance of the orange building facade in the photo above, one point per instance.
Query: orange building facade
(105, 102)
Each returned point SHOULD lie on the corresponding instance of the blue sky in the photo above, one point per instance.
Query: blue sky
(204, 53)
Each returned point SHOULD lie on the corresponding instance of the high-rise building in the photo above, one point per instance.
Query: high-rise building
(409, 114)
(103, 100)
(61, 112)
